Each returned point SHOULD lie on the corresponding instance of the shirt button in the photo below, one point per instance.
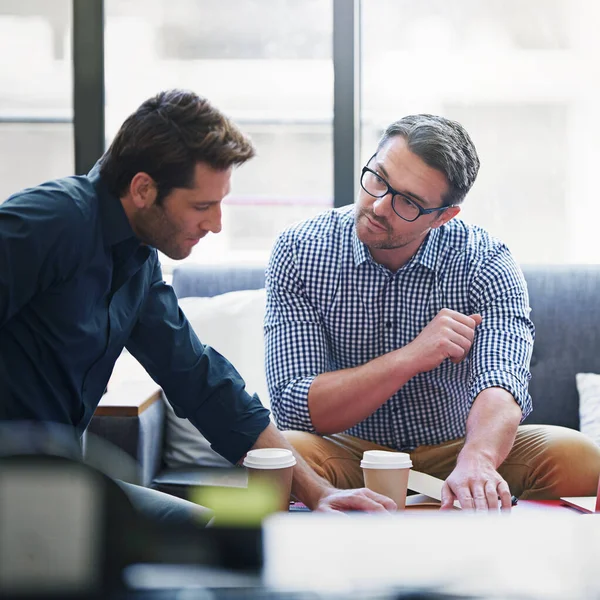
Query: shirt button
(388, 324)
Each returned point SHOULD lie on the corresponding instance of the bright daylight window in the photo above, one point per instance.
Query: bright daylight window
(265, 63)
(36, 111)
(519, 74)
(521, 77)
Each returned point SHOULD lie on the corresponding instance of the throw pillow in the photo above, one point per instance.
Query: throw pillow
(232, 324)
(588, 386)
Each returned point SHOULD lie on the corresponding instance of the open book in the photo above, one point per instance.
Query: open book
(428, 488)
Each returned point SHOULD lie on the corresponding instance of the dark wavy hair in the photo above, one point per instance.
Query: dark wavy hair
(166, 137)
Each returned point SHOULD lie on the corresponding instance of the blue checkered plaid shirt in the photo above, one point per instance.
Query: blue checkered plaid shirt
(331, 307)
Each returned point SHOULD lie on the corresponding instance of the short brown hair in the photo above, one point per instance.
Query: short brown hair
(166, 137)
(442, 144)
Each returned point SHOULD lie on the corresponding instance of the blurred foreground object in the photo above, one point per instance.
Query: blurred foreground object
(61, 528)
(68, 530)
(56, 439)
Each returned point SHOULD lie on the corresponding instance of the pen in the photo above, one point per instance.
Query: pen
(513, 500)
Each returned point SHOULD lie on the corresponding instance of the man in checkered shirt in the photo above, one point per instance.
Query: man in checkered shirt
(391, 324)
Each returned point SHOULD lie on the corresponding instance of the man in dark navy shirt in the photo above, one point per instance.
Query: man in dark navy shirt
(80, 280)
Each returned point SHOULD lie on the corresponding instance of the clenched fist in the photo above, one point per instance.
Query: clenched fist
(449, 335)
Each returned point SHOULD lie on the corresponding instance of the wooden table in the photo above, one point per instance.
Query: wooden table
(130, 390)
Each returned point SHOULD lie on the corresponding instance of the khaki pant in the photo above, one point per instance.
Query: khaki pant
(546, 461)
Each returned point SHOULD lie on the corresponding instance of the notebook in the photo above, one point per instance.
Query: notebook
(588, 504)
(431, 487)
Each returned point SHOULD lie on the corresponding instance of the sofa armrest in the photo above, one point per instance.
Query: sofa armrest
(131, 416)
(128, 399)
(141, 437)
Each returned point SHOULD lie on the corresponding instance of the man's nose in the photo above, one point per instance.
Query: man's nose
(214, 224)
(383, 206)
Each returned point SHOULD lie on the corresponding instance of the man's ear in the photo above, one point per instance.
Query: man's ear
(142, 190)
(446, 216)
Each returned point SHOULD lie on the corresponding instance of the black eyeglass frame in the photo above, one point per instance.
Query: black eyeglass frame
(394, 193)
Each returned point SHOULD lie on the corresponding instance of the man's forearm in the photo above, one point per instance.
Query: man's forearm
(341, 399)
(307, 486)
(491, 426)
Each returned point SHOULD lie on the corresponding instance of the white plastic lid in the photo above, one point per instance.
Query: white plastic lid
(269, 458)
(382, 459)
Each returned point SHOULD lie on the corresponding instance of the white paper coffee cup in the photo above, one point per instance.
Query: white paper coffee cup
(387, 473)
(271, 469)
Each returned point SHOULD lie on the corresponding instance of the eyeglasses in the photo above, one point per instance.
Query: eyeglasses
(406, 208)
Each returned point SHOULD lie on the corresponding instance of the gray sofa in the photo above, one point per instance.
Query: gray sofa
(565, 310)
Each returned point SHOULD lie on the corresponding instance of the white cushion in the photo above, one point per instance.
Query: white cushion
(588, 386)
(232, 324)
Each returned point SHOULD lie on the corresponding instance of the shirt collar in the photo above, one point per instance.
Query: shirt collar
(115, 224)
(359, 250)
(427, 253)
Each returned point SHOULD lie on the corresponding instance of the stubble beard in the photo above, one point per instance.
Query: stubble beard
(390, 243)
(155, 229)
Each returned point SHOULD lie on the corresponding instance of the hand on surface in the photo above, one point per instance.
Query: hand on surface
(477, 485)
(449, 335)
(361, 499)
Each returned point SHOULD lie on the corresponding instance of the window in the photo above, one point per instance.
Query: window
(265, 63)
(520, 77)
(36, 133)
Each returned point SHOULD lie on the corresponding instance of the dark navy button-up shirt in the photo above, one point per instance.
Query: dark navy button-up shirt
(76, 287)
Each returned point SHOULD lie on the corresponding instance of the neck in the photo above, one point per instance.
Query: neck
(128, 206)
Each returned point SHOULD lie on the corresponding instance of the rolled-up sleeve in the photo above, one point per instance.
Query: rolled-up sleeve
(503, 343)
(200, 383)
(296, 345)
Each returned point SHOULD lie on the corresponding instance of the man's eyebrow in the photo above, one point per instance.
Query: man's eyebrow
(420, 200)
(205, 203)
(209, 201)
